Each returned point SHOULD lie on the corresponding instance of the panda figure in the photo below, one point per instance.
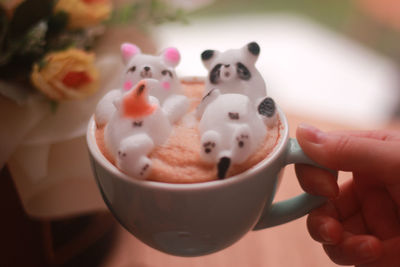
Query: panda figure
(139, 66)
(231, 130)
(137, 125)
(234, 72)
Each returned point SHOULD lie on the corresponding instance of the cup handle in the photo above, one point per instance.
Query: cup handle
(296, 207)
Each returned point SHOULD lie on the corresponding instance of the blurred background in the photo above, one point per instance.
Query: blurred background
(335, 63)
(335, 60)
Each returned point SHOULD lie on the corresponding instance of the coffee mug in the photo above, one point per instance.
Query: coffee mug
(202, 218)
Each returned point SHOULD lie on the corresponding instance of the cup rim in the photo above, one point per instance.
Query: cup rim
(259, 167)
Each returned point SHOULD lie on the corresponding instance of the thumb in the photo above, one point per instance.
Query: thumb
(346, 152)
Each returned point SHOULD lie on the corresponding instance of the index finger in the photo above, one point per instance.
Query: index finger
(347, 152)
(383, 135)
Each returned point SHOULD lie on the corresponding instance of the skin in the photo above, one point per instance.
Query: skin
(360, 223)
(384, 11)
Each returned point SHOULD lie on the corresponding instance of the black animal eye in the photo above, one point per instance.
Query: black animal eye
(166, 72)
(214, 74)
(243, 72)
(132, 69)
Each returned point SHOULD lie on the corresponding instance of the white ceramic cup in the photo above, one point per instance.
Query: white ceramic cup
(202, 218)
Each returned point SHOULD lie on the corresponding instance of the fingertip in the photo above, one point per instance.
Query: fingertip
(370, 249)
(355, 250)
(317, 181)
(312, 142)
(310, 134)
(324, 229)
(345, 151)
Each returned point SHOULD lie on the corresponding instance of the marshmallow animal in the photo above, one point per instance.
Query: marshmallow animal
(234, 71)
(231, 130)
(140, 66)
(136, 126)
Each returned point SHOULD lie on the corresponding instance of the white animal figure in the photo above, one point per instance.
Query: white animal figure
(234, 72)
(136, 126)
(140, 66)
(231, 130)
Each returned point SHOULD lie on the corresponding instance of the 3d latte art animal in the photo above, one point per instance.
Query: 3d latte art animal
(139, 66)
(235, 110)
(233, 117)
(135, 127)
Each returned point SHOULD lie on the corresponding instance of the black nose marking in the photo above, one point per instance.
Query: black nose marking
(146, 68)
(223, 166)
(227, 65)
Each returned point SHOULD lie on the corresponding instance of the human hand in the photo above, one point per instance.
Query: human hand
(360, 225)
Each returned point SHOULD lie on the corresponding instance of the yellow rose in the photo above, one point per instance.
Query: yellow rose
(66, 75)
(84, 13)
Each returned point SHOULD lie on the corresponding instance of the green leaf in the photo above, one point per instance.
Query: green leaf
(33, 43)
(57, 23)
(27, 14)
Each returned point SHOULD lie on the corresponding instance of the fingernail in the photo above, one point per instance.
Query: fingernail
(311, 133)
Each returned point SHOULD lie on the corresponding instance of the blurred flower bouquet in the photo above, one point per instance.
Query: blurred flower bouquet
(57, 59)
(46, 45)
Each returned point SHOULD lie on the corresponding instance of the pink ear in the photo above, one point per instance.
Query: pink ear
(128, 51)
(171, 56)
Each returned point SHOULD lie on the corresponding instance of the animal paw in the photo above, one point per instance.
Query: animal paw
(139, 168)
(209, 145)
(105, 108)
(144, 167)
(132, 156)
(175, 107)
(267, 109)
(242, 140)
(206, 100)
(241, 144)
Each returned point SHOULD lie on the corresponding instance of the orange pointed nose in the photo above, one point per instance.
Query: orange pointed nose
(136, 103)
